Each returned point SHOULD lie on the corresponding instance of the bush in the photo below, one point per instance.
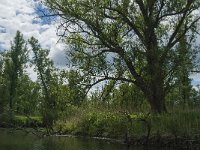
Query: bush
(101, 124)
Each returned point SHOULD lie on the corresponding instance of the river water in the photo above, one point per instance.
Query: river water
(19, 140)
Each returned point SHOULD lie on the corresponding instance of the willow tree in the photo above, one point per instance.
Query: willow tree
(128, 40)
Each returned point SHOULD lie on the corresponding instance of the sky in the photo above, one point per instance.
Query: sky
(22, 15)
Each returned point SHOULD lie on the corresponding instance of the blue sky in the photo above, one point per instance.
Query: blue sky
(22, 15)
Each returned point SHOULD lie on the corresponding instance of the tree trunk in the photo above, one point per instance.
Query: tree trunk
(156, 95)
(156, 90)
(157, 103)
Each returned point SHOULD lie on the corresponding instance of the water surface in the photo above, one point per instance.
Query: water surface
(19, 140)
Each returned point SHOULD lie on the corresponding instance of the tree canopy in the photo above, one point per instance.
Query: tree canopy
(129, 40)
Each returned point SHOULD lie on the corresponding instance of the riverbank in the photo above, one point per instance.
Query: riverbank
(179, 129)
(20, 121)
(157, 142)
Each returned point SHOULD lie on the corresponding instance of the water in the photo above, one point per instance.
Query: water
(19, 140)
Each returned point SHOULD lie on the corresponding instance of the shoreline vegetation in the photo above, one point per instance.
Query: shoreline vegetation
(177, 129)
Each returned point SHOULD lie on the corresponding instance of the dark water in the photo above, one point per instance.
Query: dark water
(19, 140)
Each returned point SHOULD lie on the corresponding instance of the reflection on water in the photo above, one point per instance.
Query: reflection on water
(19, 140)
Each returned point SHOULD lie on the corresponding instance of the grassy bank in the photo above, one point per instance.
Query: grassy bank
(20, 121)
(136, 128)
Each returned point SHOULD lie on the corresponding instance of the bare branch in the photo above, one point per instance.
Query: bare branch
(110, 78)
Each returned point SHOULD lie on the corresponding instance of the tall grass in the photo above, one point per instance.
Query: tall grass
(116, 124)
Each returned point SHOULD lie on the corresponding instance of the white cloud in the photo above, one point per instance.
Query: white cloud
(195, 77)
(21, 15)
(31, 73)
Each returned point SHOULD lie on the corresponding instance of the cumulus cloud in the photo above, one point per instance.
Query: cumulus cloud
(22, 15)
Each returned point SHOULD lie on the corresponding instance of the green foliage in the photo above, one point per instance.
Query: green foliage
(14, 63)
(48, 81)
(101, 124)
(6, 118)
(76, 91)
(129, 97)
(29, 97)
(3, 91)
(30, 121)
(136, 125)
(130, 41)
(178, 123)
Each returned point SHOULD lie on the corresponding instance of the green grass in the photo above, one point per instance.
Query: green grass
(178, 123)
(181, 123)
(30, 121)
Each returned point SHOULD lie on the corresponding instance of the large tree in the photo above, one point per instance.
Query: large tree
(129, 40)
